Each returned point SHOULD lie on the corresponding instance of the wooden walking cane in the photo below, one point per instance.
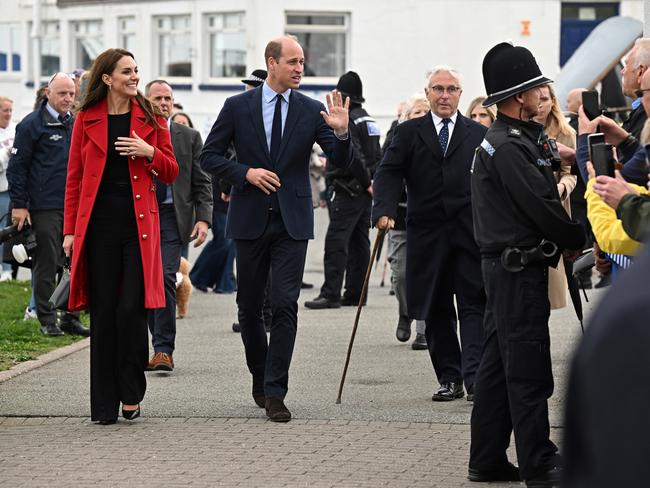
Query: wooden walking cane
(364, 293)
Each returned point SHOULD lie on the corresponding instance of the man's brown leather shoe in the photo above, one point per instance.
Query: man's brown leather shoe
(258, 391)
(276, 411)
(161, 361)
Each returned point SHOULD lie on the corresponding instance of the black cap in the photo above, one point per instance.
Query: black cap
(350, 86)
(508, 70)
(256, 78)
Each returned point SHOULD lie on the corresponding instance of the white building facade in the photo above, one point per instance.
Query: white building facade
(205, 47)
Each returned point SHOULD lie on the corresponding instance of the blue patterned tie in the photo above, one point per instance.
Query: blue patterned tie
(443, 136)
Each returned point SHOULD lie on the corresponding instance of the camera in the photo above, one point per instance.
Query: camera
(24, 242)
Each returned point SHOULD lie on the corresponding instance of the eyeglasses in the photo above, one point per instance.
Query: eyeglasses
(439, 89)
(639, 93)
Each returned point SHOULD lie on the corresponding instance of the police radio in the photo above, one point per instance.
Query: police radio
(550, 151)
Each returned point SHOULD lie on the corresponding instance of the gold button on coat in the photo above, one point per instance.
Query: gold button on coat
(144, 236)
(135, 177)
(141, 216)
(138, 197)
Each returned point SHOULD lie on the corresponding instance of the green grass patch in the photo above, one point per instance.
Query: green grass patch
(21, 340)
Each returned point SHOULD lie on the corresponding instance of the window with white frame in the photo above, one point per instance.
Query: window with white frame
(174, 45)
(87, 42)
(126, 32)
(227, 41)
(10, 48)
(50, 48)
(324, 38)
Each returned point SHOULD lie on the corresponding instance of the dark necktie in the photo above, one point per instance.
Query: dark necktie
(64, 119)
(276, 129)
(443, 136)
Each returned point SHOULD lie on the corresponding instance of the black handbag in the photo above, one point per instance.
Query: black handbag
(59, 299)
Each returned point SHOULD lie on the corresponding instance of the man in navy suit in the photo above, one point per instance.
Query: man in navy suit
(433, 154)
(273, 129)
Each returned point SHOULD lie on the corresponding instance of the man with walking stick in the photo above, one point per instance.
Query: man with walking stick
(433, 154)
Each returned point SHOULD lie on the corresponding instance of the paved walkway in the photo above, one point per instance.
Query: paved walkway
(200, 426)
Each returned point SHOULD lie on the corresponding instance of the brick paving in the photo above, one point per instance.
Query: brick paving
(200, 427)
(64, 451)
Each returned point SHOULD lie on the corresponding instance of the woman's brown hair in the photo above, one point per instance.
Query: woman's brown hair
(97, 90)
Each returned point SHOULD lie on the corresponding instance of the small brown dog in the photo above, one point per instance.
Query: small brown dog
(183, 288)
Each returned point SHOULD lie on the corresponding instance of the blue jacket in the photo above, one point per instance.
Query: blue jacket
(240, 122)
(39, 162)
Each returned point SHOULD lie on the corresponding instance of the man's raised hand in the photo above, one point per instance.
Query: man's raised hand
(265, 180)
(337, 112)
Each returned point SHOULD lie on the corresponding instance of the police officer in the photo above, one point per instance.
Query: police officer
(347, 246)
(521, 228)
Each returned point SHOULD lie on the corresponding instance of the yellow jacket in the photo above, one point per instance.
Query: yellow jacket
(607, 229)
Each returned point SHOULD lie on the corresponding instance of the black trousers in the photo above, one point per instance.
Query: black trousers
(515, 379)
(119, 342)
(162, 321)
(276, 251)
(460, 276)
(347, 246)
(48, 228)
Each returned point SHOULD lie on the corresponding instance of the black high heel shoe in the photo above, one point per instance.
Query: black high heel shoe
(106, 422)
(131, 414)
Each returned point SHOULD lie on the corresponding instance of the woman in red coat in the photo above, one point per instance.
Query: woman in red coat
(120, 147)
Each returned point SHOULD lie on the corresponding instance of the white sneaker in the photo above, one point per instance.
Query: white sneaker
(5, 276)
(30, 314)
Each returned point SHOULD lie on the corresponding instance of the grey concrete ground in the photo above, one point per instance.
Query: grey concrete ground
(200, 426)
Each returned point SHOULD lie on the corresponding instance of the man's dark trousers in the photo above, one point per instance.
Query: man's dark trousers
(285, 256)
(458, 263)
(514, 380)
(162, 321)
(347, 242)
(48, 228)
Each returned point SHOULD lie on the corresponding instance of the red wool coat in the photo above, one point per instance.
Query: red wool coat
(85, 169)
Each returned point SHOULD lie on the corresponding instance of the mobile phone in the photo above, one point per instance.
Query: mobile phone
(603, 159)
(590, 104)
(597, 138)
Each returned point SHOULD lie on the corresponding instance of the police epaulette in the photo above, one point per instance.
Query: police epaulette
(514, 132)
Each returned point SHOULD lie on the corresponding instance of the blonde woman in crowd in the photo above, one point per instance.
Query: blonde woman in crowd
(478, 113)
(557, 127)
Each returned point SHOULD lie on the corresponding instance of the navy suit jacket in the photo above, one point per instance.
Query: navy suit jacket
(241, 122)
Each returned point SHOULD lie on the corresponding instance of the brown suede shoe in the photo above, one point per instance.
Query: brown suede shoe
(276, 411)
(161, 361)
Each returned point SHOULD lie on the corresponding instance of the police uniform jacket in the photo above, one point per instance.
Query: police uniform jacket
(514, 194)
(366, 151)
(87, 161)
(39, 161)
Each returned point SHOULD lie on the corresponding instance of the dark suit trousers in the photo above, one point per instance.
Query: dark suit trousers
(162, 321)
(118, 343)
(347, 246)
(460, 277)
(514, 380)
(48, 228)
(274, 250)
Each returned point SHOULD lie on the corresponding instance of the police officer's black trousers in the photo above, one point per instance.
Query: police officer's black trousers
(347, 246)
(514, 379)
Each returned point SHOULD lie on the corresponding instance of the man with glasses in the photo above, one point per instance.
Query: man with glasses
(36, 174)
(433, 154)
(636, 63)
